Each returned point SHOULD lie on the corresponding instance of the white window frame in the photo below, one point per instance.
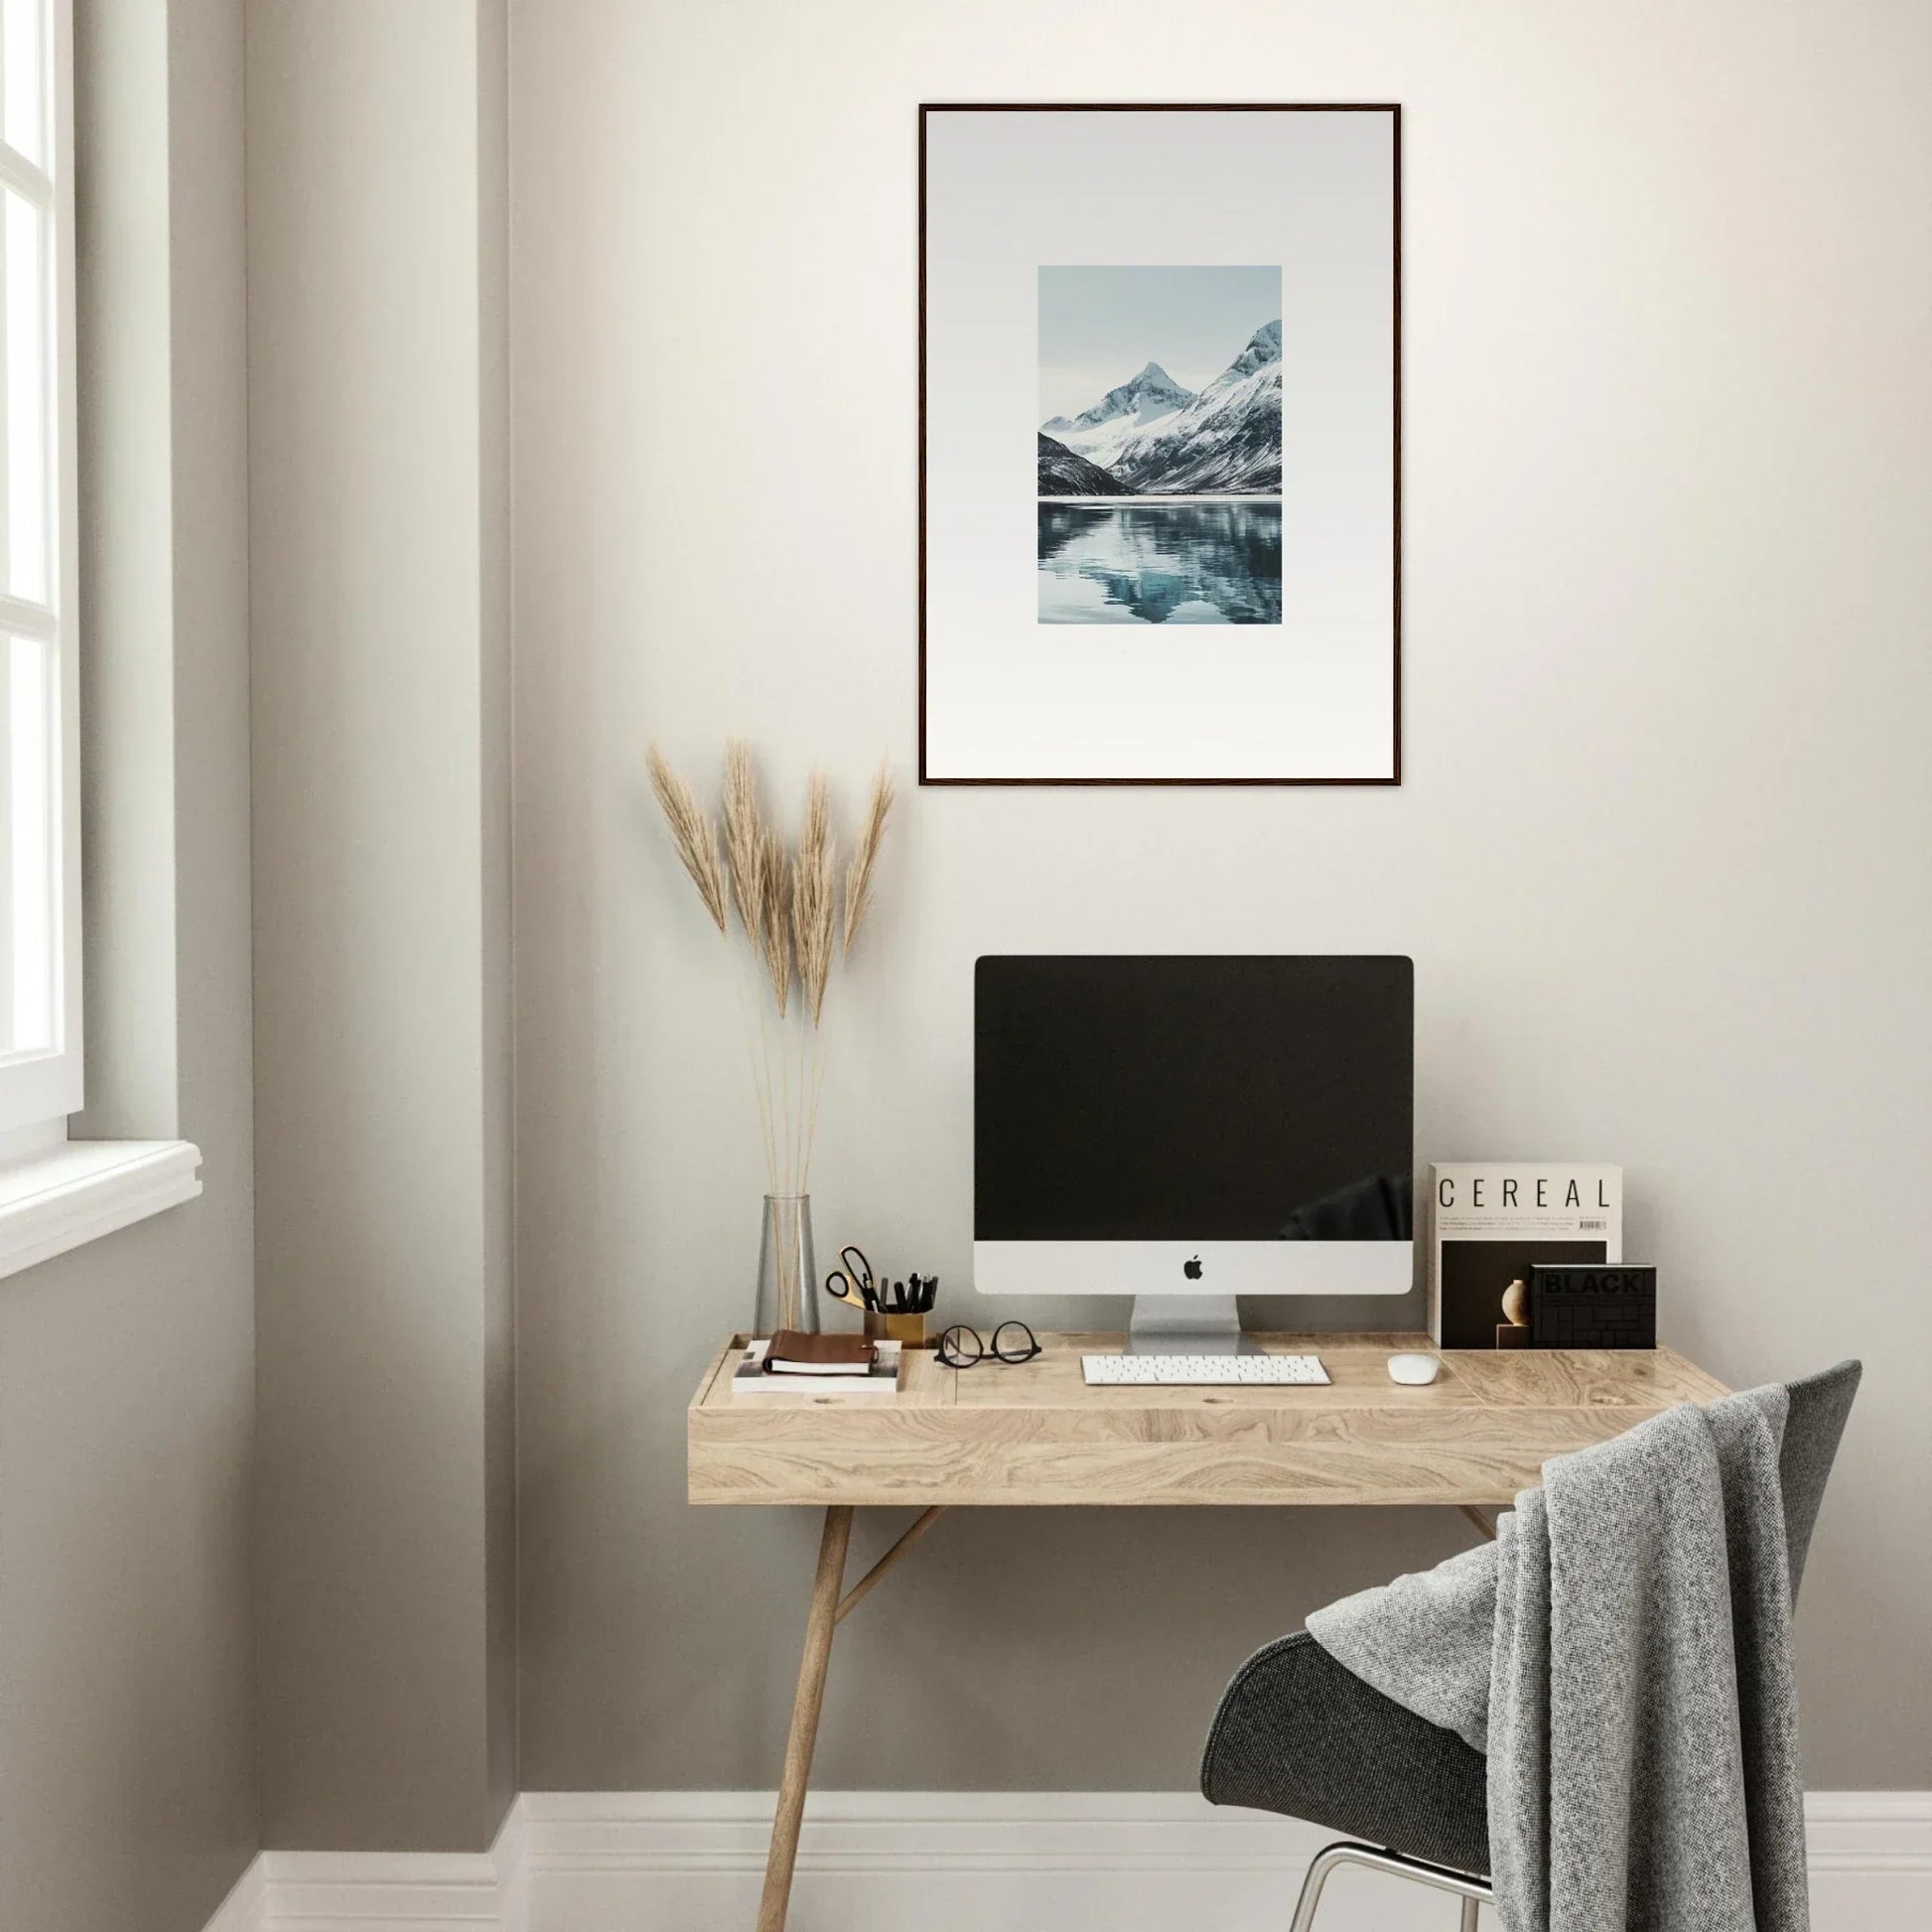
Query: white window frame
(57, 1193)
(39, 1088)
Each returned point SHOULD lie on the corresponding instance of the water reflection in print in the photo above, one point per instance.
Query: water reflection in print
(1160, 563)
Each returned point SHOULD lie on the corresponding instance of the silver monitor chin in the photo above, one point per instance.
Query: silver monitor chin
(1183, 1295)
(1202, 1267)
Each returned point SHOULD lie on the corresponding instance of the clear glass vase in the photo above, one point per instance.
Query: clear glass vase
(787, 1270)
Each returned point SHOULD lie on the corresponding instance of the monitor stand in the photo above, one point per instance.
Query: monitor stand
(1186, 1325)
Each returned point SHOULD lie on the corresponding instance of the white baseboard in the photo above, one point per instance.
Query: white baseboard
(955, 1861)
(1871, 1859)
(245, 1909)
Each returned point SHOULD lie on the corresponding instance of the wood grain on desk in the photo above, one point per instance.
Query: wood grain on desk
(1034, 1433)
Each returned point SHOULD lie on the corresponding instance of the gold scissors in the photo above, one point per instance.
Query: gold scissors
(852, 1280)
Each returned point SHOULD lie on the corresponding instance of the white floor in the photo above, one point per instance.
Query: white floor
(957, 1862)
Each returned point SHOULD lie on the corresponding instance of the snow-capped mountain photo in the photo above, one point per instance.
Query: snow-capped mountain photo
(1200, 419)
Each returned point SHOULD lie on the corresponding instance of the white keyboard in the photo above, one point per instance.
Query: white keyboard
(1201, 1371)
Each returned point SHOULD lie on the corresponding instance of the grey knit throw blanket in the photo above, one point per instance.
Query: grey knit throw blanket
(1622, 1653)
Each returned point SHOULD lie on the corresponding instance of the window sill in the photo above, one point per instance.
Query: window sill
(81, 1190)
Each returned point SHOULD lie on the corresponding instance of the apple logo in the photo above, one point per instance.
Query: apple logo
(1192, 1269)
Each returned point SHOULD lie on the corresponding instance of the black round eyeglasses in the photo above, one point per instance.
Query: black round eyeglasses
(1013, 1341)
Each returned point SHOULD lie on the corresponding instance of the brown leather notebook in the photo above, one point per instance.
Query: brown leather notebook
(794, 1353)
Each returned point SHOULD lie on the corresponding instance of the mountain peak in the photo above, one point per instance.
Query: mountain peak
(1264, 346)
(1226, 440)
(1143, 397)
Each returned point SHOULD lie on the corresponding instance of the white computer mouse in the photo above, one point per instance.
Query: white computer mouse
(1414, 1369)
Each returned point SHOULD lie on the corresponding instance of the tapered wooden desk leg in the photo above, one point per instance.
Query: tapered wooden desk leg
(804, 1718)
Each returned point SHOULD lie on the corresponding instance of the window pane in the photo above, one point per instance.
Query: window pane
(28, 481)
(27, 851)
(23, 77)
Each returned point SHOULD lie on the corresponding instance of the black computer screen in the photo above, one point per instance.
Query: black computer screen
(1231, 1098)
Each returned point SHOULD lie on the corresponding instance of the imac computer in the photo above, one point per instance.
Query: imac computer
(1186, 1130)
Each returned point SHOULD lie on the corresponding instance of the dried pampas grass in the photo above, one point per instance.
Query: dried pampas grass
(743, 834)
(858, 875)
(814, 890)
(691, 833)
(788, 909)
(774, 917)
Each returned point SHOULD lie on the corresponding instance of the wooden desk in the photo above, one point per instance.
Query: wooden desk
(1032, 1434)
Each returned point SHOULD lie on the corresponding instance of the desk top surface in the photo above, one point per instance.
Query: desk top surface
(1034, 1433)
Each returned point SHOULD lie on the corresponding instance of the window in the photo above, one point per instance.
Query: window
(54, 1193)
(40, 818)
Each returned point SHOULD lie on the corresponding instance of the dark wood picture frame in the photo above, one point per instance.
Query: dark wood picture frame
(1394, 110)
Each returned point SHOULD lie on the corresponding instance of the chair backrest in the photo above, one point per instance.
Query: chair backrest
(1818, 1406)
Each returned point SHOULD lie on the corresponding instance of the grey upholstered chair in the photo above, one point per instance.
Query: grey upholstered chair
(1298, 1734)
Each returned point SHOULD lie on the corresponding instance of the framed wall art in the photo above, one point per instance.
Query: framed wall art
(1159, 445)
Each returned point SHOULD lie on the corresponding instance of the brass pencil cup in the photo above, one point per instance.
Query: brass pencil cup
(908, 1330)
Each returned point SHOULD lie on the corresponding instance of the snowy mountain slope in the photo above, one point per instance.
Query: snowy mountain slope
(1224, 444)
(1263, 346)
(1104, 445)
(1063, 474)
(1155, 438)
(1154, 393)
(1098, 433)
(1226, 441)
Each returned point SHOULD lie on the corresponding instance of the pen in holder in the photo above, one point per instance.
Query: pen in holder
(893, 1310)
(903, 1308)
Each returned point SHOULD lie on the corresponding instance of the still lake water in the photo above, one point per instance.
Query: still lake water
(1160, 563)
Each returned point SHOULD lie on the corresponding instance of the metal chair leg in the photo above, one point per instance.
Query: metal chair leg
(1324, 1864)
(1472, 1891)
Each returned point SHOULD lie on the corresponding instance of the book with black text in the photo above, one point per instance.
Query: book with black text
(1492, 1221)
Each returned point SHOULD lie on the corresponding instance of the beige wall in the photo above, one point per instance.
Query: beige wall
(380, 688)
(127, 1372)
(493, 908)
(1660, 855)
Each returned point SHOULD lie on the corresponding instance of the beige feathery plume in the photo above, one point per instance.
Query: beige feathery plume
(787, 903)
(858, 875)
(774, 916)
(743, 838)
(813, 895)
(692, 834)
